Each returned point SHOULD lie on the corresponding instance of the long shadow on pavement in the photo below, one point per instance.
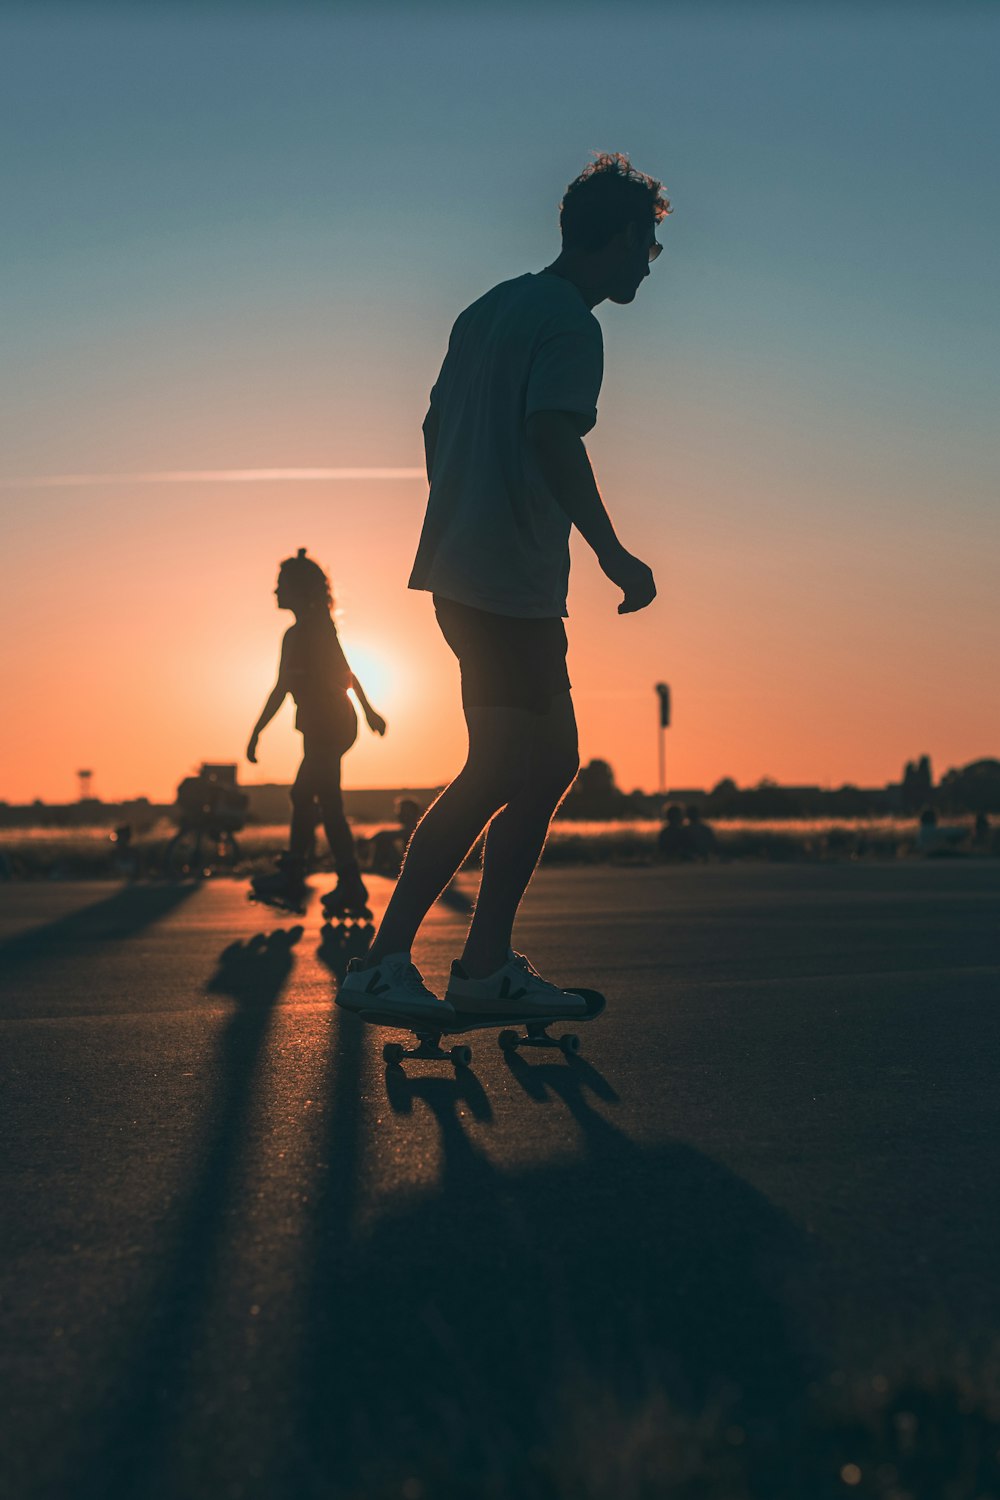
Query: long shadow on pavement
(479, 1327)
(479, 1322)
(127, 912)
(342, 941)
(129, 1445)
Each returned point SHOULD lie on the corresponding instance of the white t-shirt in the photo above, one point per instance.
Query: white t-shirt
(494, 537)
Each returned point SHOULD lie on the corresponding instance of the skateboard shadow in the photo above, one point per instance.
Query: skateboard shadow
(489, 1318)
(441, 1094)
(545, 1082)
(522, 1323)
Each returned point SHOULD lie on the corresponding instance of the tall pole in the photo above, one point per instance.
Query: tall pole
(663, 718)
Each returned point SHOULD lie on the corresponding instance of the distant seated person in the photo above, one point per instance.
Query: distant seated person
(935, 840)
(124, 857)
(388, 846)
(674, 839)
(701, 836)
(982, 835)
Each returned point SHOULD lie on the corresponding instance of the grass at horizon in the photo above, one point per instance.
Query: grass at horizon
(74, 853)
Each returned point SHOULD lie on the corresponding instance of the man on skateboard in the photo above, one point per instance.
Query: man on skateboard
(509, 476)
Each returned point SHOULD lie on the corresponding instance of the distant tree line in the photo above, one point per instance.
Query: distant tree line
(973, 788)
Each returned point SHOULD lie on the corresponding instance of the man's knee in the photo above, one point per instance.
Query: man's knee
(556, 758)
(570, 767)
(555, 774)
(491, 781)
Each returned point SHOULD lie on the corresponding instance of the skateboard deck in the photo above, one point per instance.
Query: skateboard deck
(429, 1033)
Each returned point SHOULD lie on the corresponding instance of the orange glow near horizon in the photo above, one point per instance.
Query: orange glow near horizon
(147, 641)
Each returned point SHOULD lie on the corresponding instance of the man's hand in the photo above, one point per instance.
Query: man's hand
(376, 723)
(566, 470)
(633, 578)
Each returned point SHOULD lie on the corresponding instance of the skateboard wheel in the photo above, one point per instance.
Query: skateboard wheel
(461, 1056)
(508, 1040)
(570, 1044)
(393, 1053)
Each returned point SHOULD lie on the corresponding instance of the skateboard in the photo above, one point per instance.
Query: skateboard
(429, 1033)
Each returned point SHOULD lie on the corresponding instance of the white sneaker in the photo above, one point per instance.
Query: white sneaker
(394, 984)
(516, 989)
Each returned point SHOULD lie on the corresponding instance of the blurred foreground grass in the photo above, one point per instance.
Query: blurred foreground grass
(82, 853)
(918, 1433)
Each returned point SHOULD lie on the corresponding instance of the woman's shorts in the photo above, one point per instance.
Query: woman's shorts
(506, 662)
(328, 729)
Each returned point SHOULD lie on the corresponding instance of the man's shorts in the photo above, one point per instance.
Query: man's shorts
(506, 662)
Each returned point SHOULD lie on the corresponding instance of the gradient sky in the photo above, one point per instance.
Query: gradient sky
(235, 240)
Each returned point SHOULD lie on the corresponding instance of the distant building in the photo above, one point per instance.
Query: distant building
(224, 773)
(269, 802)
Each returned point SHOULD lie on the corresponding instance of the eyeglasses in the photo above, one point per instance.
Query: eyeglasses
(654, 250)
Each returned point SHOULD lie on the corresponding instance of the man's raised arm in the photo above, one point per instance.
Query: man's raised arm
(565, 465)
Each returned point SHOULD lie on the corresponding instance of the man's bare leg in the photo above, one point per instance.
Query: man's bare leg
(499, 742)
(517, 836)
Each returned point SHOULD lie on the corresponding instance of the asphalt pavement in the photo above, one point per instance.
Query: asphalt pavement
(242, 1258)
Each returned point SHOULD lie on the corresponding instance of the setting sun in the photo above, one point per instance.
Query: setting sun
(383, 679)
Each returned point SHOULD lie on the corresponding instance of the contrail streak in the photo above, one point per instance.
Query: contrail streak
(202, 476)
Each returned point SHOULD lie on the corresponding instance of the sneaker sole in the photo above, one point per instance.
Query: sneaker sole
(510, 1012)
(374, 1005)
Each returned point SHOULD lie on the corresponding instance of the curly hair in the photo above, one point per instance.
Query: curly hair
(607, 195)
(307, 580)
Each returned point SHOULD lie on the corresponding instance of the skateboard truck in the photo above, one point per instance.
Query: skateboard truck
(429, 1033)
(537, 1036)
(428, 1046)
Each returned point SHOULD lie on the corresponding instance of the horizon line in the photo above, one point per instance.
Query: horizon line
(205, 476)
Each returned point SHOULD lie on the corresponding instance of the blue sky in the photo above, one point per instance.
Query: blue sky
(833, 172)
(236, 236)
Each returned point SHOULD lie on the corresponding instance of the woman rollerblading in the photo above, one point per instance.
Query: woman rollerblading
(314, 669)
